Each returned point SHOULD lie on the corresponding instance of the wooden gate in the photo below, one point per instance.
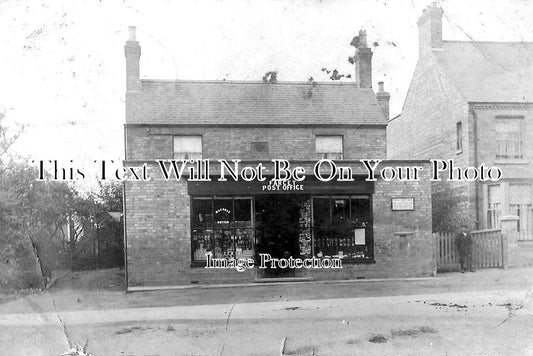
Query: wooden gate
(487, 250)
(95, 242)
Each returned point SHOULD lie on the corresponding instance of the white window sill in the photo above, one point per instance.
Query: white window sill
(512, 161)
(403, 233)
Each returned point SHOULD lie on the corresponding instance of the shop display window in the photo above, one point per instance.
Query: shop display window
(342, 227)
(327, 226)
(221, 227)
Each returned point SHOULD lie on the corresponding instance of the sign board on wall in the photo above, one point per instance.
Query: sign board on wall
(403, 204)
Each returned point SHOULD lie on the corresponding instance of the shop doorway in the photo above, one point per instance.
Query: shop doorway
(277, 219)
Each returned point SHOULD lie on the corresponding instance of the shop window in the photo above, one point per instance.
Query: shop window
(494, 200)
(509, 140)
(520, 205)
(221, 227)
(321, 216)
(187, 147)
(459, 136)
(342, 227)
(329, 147)
(328, 226)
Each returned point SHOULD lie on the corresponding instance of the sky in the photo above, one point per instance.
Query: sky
(62, 65)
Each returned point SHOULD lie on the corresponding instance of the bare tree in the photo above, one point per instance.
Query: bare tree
(7, 136)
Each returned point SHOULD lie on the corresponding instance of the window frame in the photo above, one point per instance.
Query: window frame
(369, 228)
(231, 226)
(320, 155)
(459, 137)
(505, 156)
(494, 213)
(524, 210)
(201, 153)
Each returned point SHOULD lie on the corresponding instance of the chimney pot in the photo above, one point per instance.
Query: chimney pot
(132, 35)
(362, 38)
(383, 99)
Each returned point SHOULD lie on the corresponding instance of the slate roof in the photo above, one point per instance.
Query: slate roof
(252, 103)
(490, 71)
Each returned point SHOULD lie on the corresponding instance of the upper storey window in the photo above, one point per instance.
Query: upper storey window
(329, 147)
(459, 136)
(187, 147)
(509, 138)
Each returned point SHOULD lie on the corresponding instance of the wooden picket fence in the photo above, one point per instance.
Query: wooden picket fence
(487, 250)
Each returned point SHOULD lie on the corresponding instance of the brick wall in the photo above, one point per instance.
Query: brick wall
(403, 243)
(158, 212)
(149, 143)
(513, 170)
(426, 129)
(486, 118)
(158, 236)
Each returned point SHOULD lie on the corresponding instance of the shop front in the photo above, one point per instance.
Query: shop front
(207, 232)
(239, 220)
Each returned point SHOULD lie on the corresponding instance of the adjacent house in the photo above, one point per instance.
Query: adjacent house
(377, 228)
(471, 102)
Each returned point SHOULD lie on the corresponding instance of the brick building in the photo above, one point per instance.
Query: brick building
(471, 102)
(173, 225)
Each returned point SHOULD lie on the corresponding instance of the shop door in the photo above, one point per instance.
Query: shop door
(277, 230)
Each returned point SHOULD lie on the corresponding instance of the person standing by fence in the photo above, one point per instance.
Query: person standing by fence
(463, 241)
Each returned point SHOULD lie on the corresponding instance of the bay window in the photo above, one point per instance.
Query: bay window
(520, 204)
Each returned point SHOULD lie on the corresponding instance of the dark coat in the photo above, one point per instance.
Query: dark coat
(463, 242)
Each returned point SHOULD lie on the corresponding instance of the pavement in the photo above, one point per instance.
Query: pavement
(485, 313)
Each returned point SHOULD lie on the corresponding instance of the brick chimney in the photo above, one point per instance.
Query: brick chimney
(132, 50)
(363, 61)
(383, 100)
(430, 29)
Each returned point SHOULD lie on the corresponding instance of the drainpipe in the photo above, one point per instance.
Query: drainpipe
(124, 231)
(476, 182)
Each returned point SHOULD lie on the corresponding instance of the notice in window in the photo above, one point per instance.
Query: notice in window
(359, 236)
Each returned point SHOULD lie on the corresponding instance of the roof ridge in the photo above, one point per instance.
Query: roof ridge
(246, 82)
(495, 42)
